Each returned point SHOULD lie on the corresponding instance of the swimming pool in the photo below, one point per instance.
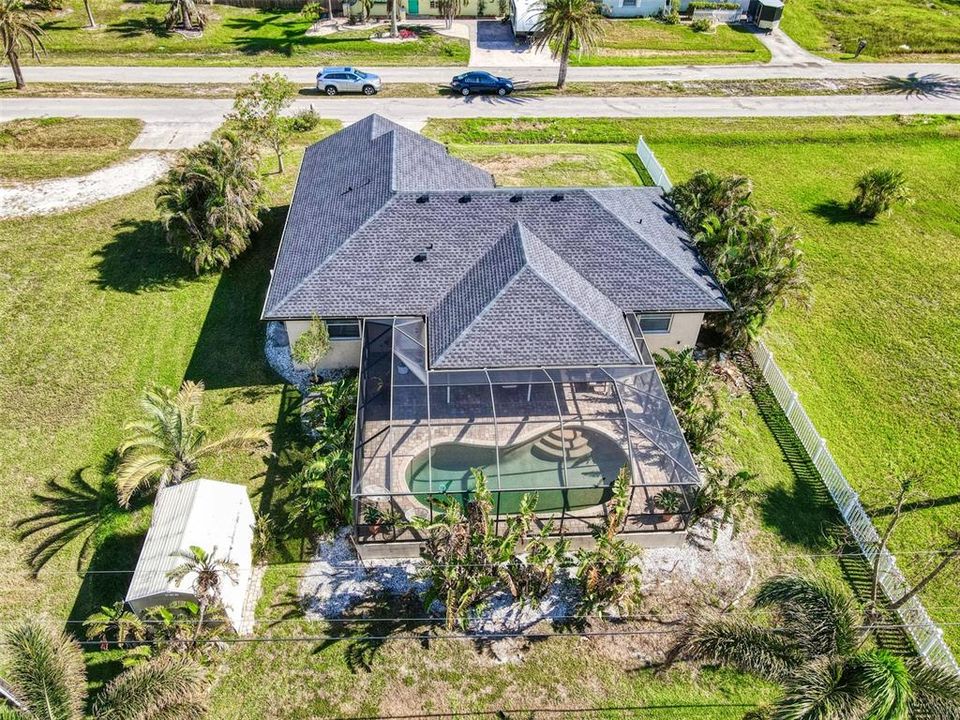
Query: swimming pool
(593, 461)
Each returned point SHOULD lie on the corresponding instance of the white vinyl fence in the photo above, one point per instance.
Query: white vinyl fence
(653, 166)
(926, 635)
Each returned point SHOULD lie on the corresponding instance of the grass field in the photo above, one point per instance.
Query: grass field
(556, 165)
(875, 360)
(94, 308)
(59, 147)
(135, 34)
(894, 30)
(645, 41)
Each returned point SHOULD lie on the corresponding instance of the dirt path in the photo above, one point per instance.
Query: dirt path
(51, 196)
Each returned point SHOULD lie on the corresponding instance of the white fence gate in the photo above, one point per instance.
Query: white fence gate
(926, 635)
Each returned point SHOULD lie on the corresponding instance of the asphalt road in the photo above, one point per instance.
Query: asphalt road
(185, 114)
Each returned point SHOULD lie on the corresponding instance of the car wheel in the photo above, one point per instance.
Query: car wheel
(330, 90)
(369, 90)
(465, 91)
(501, 91)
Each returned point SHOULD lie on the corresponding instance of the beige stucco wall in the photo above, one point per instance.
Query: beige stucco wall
(491, 8)
(343, 353)
(683, 333)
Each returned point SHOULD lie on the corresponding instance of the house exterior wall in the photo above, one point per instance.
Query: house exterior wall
(684, 329)
(642, 8)
(344, 353)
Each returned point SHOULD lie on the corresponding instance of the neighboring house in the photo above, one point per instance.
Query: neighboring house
(204, 513)
(426, 8)
(635, 8)
(503, 328)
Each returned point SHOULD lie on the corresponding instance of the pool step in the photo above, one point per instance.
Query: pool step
(553, 444)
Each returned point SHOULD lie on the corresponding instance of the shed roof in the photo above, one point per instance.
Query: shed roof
(204, 513)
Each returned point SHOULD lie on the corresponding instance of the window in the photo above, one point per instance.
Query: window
(343, 329)
(655, 324)
(629, 3)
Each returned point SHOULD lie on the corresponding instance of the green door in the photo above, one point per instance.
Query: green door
(413, 7)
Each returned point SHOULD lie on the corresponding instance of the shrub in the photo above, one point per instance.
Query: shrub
(304, 121)
(700, 5)
(702, 25)
(607, 574)
(724, 498)
(693, 394)
(757, 264)
(47, 5)
(313, 11)
(669, 17)
(312, 346)
(209, 201)
(669, 501)
(878, 190)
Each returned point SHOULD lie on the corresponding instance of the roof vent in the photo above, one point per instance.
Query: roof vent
(465, 198)
(420, 257)
(422, 199)
(556, 197)
(516, 198)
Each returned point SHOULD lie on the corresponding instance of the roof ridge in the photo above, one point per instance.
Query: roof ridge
(524, 231)
(653, 247)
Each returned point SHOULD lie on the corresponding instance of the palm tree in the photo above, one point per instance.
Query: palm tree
(565, 24)
(813, 646)
(91, 23)
(208, 571)
(114, 621)
(48, 679)
(210, 199)
(186, 14)
(19, 30)
(166, 447)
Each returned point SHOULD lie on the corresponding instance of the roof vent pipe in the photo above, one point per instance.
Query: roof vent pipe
(556, 197)
(422, 199)
(516, 198)
(420, 257)
(465, 198)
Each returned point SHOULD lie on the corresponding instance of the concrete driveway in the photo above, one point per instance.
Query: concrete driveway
(493, 45)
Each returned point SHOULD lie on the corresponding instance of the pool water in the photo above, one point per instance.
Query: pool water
(523, 466)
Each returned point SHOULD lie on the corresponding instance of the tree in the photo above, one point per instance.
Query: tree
(208, 571)
(313, 11)
(91, 23)
(167, 445)
(806, 636)
(114, 623)
(47, 677)
(724, 498)
(565, 24)
(209, 201)
(449, 9)
(19, 30)
(878, 190)
(257, 108)
(706, 194)
(312, 346)
(692, 392)
(186, 14)
(394, 32)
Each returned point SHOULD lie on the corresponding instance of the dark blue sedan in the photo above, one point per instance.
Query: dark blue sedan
(481, 82)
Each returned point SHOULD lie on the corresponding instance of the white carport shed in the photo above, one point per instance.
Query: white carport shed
(204, 513)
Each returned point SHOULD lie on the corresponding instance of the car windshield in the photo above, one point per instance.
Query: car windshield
(361, 73)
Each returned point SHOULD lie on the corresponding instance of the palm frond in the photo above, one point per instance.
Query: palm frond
(822, 614)
(821, 690)
(250, 439)
(170, 687)
(139, 472)
(936, 692)
(740, 644)
(45, 670)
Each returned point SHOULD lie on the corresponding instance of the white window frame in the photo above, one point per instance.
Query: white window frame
(355, 323)
(655, 316)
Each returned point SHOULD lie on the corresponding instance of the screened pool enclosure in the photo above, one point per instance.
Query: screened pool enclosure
(562, 433)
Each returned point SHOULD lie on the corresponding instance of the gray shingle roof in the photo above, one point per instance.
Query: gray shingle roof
(509, 274)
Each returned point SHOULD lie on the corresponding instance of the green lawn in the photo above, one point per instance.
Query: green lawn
(645, 41)
(556, 165)
(875, 360)
(60, 147)
(833, 27)
(135, 34)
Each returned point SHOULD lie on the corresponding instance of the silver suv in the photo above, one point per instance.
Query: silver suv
(333, 80)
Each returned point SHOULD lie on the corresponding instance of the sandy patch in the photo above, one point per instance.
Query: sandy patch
(52, 196)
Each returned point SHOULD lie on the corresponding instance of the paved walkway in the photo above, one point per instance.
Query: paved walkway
(784, 51)
(413, 112)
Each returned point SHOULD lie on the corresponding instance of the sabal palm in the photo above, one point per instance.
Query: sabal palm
(813, 646)
(185, 13)
(209, 201)
(167, 445)
(48, 679)
(19, 31)
(565, 24)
